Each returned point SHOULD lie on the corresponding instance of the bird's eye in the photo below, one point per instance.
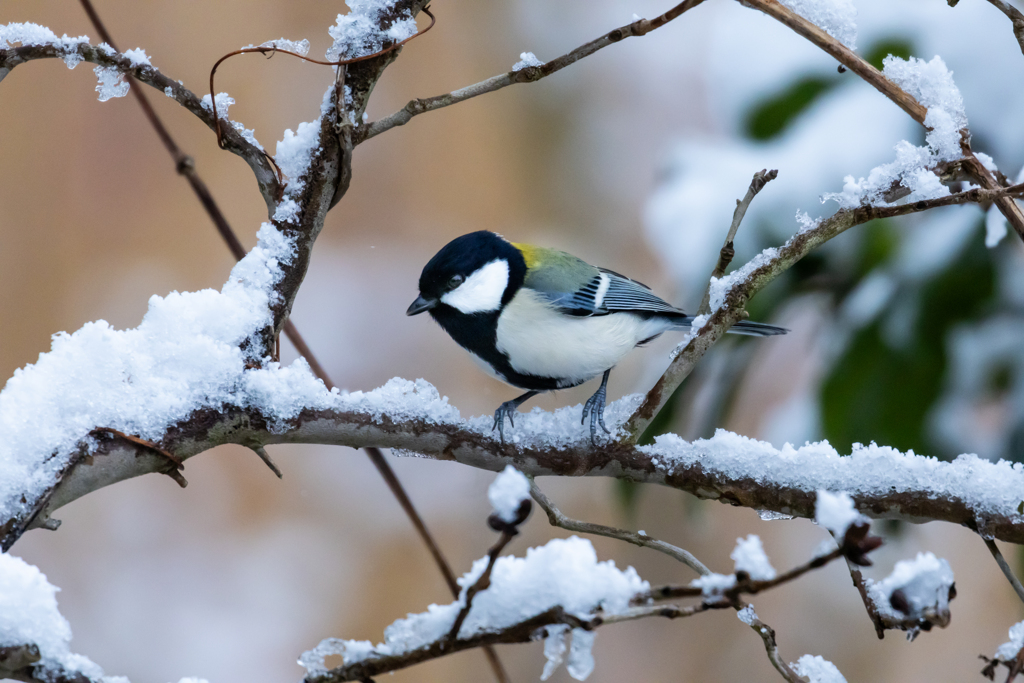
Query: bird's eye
(455, 281)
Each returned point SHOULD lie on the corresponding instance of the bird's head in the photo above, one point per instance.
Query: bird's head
(475, 273)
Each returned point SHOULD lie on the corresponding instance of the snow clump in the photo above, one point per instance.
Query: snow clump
(507, 493)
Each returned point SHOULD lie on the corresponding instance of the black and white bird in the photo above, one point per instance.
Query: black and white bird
(541, 319)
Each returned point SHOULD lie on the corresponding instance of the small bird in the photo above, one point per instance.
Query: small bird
(541, 319)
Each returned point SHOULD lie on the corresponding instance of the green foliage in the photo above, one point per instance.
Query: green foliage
(772, 116)
(882, 391)
(898, 47)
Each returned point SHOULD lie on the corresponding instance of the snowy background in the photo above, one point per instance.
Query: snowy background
(907, 333)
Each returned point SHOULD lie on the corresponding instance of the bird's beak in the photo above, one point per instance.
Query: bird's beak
(421, 305)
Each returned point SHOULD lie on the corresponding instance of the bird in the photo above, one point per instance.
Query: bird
(541, 319)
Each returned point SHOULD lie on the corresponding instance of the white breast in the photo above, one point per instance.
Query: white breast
(539, 340)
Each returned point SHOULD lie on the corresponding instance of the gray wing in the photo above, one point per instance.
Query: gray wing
(623, 294)
(608, 292)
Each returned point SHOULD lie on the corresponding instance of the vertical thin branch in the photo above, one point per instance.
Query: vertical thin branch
(757, 183)
(1007, 572)
(186, 166)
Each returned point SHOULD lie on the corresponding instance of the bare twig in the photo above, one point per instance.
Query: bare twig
(869, 604)
(1005, 567)
(767, 634)
(274, 50)
(527, 75)
(1015, 16)
(265, 457)
(795, 249)
(901, 98)
(482, 583)
(725, 256)
(556, 518)
(742, 587)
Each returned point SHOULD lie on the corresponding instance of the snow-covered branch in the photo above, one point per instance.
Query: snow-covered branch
(909, 102)
(557, 590)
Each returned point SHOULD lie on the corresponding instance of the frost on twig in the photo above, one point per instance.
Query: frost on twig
(916, 596)
(1010, 654)
(559, 583)
(912, 175)
(34, 637)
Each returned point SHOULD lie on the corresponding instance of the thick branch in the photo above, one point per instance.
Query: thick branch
(209, 427)
(527, 75)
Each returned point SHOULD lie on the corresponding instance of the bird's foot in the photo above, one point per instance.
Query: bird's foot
(595, 408)
(506, 409)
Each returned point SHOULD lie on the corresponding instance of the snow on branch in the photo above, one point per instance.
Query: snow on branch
(556, 590)
(932, 98)
(195, 375)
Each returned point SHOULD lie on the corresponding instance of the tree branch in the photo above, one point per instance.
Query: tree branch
(527, 75)
(556, 518)
(901, 98)
(756, 274)
(1013, 14)
(1005, 567)
(670, 463)
(771, 647)
(725, 256)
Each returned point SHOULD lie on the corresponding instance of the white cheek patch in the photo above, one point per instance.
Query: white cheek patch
(482, 291)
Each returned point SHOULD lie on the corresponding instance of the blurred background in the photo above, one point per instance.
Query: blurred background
(904, 332)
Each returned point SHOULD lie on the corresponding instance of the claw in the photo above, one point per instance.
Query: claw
(594, 407)
(508, 408)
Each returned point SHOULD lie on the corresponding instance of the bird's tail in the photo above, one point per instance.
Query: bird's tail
(744, 327)
(752, 329)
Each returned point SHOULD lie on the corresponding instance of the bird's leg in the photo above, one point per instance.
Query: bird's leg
(595, 408)
(508, 408)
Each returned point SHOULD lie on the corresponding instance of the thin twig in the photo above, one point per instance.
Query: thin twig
(527, 75)
(265, 457)
(274, 50)
(767, 634)
(1015, 16)
(186, 167)
(556, 518)
(482, 583)
(1007, 572)
(725, 256)
(900, 97)
(869, 604)
(746, 587)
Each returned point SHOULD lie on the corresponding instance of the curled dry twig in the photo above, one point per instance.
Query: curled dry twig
(263, 50)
